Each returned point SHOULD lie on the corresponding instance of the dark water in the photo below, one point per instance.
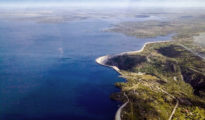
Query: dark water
(48, 71)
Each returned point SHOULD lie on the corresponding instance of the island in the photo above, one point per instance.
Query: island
(164, 80)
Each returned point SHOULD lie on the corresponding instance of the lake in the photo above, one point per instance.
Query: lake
(48, 70)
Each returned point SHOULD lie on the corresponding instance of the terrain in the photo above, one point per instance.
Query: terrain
(164, 80)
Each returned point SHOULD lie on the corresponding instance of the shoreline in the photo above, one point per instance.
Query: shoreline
(103, 59)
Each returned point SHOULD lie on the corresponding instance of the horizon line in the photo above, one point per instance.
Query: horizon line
(105, 4)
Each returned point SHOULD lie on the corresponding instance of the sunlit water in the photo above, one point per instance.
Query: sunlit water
(48, 71)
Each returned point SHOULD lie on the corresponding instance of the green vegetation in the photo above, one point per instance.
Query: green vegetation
(188, 31)
(166, 77)
(169, 75)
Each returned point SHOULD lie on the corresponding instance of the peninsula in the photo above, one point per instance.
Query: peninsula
(165, 80)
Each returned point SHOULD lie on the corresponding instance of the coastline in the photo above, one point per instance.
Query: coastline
(103, 59)
(146, 51)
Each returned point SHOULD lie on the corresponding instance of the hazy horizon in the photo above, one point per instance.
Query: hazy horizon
(105, 3)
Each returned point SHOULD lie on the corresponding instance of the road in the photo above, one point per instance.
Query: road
(118, 113)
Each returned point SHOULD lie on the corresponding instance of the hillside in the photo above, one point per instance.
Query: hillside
(159, 77)
(165, 80)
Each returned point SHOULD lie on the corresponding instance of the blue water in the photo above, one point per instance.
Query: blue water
(48, 71)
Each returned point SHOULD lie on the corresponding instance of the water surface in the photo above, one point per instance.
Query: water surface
(48, 71)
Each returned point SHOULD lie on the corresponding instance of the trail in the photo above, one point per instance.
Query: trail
(174, 110)
(175, 107)
(118, 113)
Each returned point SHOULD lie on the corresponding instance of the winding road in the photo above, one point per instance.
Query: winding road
(118, 113)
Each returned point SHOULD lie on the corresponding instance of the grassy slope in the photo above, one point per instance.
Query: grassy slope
(163, 71)
(172, 71)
